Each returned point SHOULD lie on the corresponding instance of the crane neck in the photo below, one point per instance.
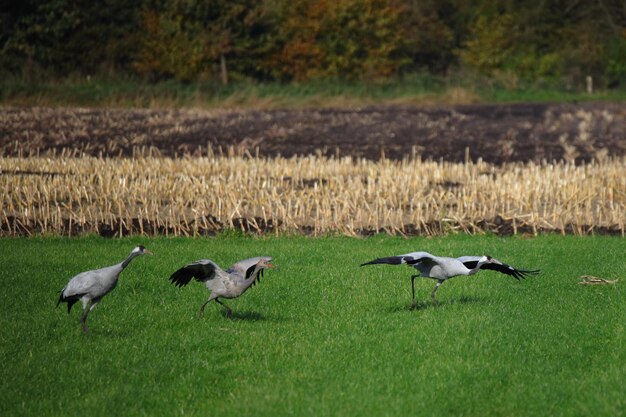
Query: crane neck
(476, 268)
(253, 272)
(130, 258)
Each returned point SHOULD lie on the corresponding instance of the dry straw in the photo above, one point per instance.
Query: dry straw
(67, 195)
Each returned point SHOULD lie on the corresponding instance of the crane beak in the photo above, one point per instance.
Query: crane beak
(148, 252)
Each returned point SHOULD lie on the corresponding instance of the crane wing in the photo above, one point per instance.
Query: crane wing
(409, 258)
(496, 265)
(245, 264)
(88, 281)
(76, 288)
(80, 284)
(202, 270)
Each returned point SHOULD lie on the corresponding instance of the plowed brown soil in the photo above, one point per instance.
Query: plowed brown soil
(496, 133)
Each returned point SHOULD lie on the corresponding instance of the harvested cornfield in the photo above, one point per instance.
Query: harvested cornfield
(66, 195)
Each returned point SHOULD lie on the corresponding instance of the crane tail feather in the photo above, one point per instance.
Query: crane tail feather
(70, 303)
(69, 300)
(61, 299)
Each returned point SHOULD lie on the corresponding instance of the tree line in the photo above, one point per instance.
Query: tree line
(302, 40)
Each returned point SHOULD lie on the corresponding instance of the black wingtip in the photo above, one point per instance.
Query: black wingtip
(181, 277)
(522, 273)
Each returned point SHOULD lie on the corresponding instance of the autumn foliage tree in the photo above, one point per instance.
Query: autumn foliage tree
(349, 39)
(300, 40)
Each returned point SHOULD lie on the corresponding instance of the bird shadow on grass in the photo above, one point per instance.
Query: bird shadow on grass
(426, 304)
(253, 316)
(243, 315)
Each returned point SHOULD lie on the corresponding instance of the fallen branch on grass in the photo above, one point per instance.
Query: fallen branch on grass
(591, 280)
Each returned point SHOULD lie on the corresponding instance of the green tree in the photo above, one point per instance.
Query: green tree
(492, 43)
(188, 39)
(430, 34)
(554, 38)
(39, 35)
(64, 36)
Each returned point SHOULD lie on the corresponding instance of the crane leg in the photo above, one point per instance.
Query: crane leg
(83, 318)
(413, 291)
(229, 312)
(201, 311)
(439, 282)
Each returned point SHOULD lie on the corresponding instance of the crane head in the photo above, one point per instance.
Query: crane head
(260, 266)
(485, 259)
(141, 250)
(265, 263)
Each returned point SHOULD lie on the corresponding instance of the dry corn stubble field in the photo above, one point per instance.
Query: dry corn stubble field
(509, 169)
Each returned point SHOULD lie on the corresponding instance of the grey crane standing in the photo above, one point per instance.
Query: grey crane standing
(441, 268)
(89, 287)
(223, 284)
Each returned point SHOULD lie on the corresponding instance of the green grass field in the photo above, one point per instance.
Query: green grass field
(319, 336)
(420, 89)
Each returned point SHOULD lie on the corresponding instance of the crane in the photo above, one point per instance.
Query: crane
(90, 286)
(223, 284)
(441, 268)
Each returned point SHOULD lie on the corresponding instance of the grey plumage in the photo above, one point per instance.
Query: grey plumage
(223, 284)
(91, 286)
(441, 268)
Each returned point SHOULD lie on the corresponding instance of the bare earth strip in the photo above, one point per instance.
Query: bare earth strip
(497, 134)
